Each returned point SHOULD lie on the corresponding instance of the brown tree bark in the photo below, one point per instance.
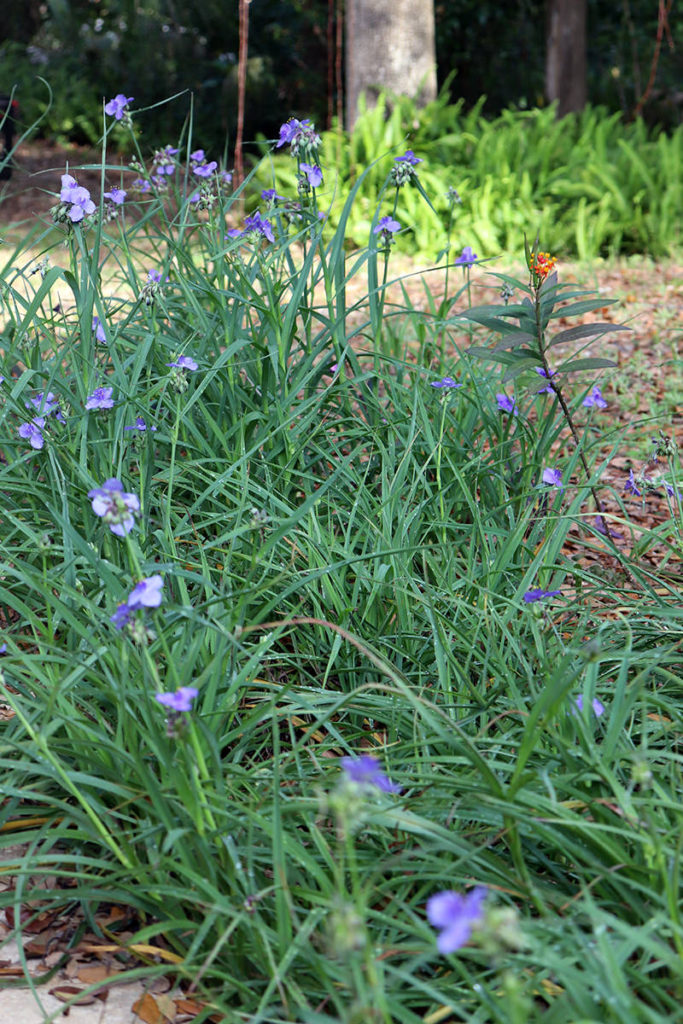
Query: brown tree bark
(565, 64)
(389, 45)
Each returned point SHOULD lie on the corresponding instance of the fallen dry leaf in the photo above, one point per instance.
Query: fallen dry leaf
(89, 974)
(148, 1010)
(66, 992)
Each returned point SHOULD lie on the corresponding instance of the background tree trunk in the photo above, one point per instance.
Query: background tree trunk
(389, 45)
(565, 65)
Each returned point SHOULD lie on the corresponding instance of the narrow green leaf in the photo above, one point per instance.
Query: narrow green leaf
(577, 308)
(585, 364)
(596, 330)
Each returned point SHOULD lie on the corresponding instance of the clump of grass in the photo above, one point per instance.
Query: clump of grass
(293, 640)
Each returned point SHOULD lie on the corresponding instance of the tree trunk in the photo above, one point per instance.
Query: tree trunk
(565, 64)
(389, 45)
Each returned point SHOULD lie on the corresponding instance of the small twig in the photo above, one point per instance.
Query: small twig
(662, 25)
(241, 89)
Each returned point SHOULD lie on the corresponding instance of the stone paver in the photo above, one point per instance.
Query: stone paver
(19, 1006)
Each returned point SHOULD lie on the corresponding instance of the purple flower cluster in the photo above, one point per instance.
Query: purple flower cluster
(200, 166)
(184, 363)
(33, 432)
(547, 390)
(45, 404)
(553, 478)
(631, 487)
(256, 225)
(445, 382)
(312, 174)
(139, 425)
(598, 706)
(115, 506)
(270, 195)
(454, 915)
(385, 228)
(98, 328)
(538, 594)
(101, 398)
(366, 771)
(145, 594)
(467, 257)
(300, 136)
(76, 199)
(507, 404)
(116, 195)
(179, 701)
(163, 167)
(118, 107)
(403, 170)
(595, 399)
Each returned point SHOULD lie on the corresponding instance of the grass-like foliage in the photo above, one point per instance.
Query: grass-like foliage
(297, 665)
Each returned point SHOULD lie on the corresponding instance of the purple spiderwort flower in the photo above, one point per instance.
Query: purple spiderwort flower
(164, 162)
(45, 404)
(467, 257)
(445, 382)
(181, 700)
(289, 131)
(139, 425)
(595, 399)
(366, 771)
(100, 399)
(3, 648)
(387, 224)
(553, 478)
(507, 404)
(121, 616)
(598, 706)
(671, 491)
(116, 195)
(205, 170)
(300, 135)
(32, 432)
(99, 330)
(116, 108)
(270, 195)
(146, 593)
(198, 157)
(408, 158)
(455, 915)
(256, 223)
(631, 487)
(184, 363)
(313, 174)
(547, 390)
(154, 276)
(116, 506)
(77, 197)
(538, 594)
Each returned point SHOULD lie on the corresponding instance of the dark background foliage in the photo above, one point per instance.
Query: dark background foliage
(89, 50)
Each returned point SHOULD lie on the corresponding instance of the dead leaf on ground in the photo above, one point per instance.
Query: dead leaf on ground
(65, 993)
(149, 1010)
